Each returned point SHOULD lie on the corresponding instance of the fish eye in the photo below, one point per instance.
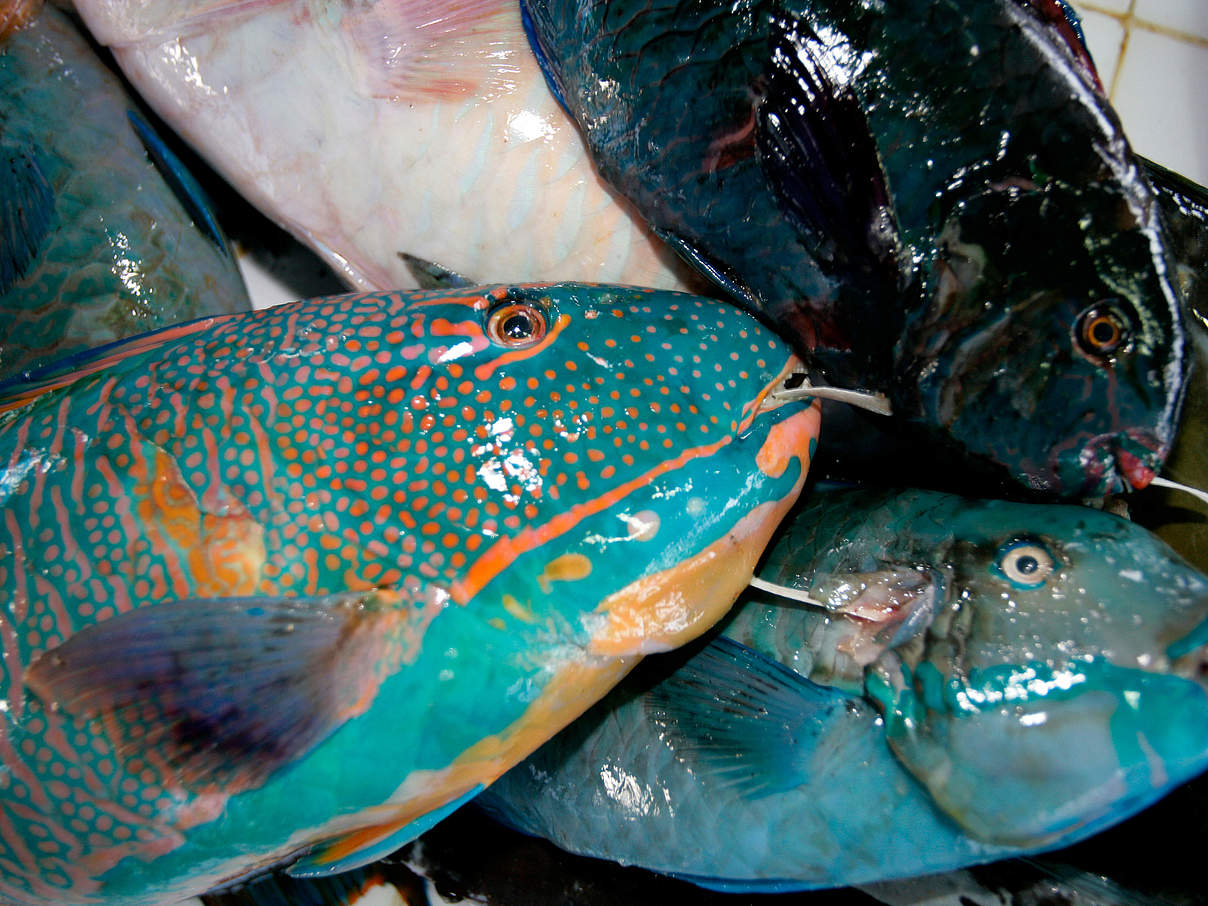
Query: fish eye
(1102, 330)
(516, 324)
(1025, 563)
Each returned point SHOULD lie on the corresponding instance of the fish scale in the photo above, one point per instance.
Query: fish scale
(405, 541)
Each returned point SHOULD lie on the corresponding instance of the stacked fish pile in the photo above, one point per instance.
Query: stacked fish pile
(286, 588)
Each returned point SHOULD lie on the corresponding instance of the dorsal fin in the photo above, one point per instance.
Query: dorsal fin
(24, 388)
(1064, 23)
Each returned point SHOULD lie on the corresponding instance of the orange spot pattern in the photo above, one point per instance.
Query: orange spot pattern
(373, 440)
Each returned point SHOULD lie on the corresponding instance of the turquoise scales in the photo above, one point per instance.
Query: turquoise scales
(103, 233)
(372, 513)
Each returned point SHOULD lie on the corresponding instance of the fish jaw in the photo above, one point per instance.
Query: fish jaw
(1111, 464)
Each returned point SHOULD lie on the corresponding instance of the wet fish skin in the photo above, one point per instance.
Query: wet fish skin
(981, 688)
(105, 233)
(283, 585)
(948, 232)
(473, 167)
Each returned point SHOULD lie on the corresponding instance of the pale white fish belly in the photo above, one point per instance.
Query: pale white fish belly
(496, 187)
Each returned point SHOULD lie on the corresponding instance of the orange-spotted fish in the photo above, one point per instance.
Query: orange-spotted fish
(285, 587)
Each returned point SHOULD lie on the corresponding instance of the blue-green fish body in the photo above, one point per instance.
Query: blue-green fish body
(965, 229)
(103, 233)
(976, 679)
(283, 587)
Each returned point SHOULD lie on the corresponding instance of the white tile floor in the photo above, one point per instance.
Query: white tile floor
(1153, 58)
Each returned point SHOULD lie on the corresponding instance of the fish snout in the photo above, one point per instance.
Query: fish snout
(1139, 456)
(1128, 460)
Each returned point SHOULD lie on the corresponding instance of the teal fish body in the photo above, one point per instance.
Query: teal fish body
(105, 233)
(968, 232)
(973, 680)
(284, 587)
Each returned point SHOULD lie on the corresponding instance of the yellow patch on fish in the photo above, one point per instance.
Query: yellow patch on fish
(567, 568)
(666, 609)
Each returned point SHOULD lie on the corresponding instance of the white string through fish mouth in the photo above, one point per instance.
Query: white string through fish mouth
(862, 399)
(1158, 481)
(784, 591)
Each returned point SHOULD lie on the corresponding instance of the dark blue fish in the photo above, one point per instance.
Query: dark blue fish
(932, 196)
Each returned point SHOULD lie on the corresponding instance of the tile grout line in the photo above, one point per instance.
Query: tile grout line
(1130, 18)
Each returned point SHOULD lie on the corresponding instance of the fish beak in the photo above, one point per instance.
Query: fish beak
(1138, 455)
(798, 386)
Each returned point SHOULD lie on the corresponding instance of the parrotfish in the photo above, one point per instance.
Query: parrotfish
(967, 231)
(403, 140)
(105, 234)
(284, 587)
(974, 679)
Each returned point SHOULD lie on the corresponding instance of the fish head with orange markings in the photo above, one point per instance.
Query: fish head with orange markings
(286, 587)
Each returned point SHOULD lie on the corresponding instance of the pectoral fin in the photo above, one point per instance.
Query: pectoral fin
(225, 690)
(821, 162)
(27, 206)
(745, 721)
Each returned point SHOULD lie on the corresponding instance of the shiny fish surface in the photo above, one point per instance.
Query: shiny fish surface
(968, 231)
(922, 715)
(283, 588)
(104, 233)
(387, 132)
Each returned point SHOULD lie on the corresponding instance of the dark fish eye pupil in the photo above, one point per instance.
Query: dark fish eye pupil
(517, 326)
(1103, 332)
(1027, 564)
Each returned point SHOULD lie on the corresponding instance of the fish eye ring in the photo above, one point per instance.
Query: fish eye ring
(516, 324)
(1025, 563)
(1101, 330)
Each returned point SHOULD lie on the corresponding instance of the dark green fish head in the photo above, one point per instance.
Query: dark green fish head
(1056, 675)
(967, 230)
(1052, 342)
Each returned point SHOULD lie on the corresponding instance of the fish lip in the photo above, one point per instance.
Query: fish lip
(1119, 462)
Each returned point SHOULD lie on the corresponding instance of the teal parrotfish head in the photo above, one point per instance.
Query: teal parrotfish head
(616, 423)
(1060, 677)
(1040, 668)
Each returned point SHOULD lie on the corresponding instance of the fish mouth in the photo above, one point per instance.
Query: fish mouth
(1120, 462)
(778, 392)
